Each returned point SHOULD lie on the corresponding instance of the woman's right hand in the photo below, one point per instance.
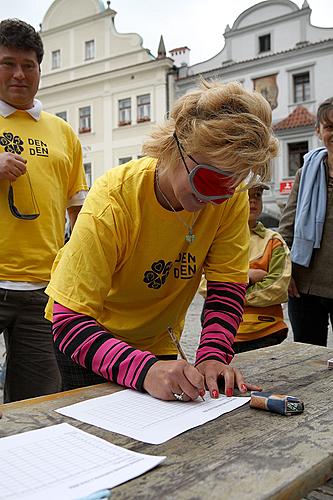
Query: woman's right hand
(164, 379)
(292, 289)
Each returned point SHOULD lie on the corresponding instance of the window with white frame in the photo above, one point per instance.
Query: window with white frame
(87, 170)
(124, 112)
(124, 160)
(62, 115)
(296, 151)
(301, 87)
(89, 49)
(55, 59)
(84, 119)
(143, 108)
(264, 43)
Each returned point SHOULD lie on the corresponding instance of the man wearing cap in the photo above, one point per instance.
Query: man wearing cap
(41, 174)
(269, 276)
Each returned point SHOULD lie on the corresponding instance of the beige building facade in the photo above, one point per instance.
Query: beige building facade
(274, 48)
(104, 83)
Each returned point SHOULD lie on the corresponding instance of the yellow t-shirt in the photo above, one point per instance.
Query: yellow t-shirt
(54, 162)
(128, 265)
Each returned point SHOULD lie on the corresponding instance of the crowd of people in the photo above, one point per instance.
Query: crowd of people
(99, 308)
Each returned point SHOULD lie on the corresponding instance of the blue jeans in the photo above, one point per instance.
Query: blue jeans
(309, 317)
(32, 368)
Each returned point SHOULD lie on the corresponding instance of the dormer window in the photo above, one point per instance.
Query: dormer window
(90, 49)
(264, 43)
(55, 64)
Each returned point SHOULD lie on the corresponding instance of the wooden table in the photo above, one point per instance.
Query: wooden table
(246, 454)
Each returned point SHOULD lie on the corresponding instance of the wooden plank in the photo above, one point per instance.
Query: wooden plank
(244, 455)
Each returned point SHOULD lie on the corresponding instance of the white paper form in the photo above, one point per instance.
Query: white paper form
(142, 417)
(62, 462)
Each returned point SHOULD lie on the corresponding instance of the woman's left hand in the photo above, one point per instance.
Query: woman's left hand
(213, 371)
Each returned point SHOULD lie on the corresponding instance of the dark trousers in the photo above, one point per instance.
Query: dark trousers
(309, 317)
(32, 368)
(250, 345)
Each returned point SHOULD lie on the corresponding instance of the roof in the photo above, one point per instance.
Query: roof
(300, 117)
(179, 48)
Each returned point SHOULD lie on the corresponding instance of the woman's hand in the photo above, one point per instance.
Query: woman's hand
(213, 371)
(292, 289)
(166, 378)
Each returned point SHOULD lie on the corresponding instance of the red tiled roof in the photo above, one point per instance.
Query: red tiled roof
(300, 117)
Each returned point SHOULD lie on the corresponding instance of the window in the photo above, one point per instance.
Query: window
(301, 83)
(264, 43)
(87, 169)
(62, 115)
(124, 106)
(296, 151)
(143, 108)
(84, 120)
(55, 59)
(90, 49)
(124, 160)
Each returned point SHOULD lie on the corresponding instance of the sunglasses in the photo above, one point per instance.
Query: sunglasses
(15, 211)
(208, 183)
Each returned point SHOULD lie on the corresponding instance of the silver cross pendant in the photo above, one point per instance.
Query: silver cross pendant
(190, 237)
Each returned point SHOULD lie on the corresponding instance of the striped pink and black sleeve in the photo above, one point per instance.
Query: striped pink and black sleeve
(222, 314)
(83, 340)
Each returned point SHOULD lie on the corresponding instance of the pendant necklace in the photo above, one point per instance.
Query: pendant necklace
(190, 237)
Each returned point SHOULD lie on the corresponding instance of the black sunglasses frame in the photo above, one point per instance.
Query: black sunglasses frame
(15, 211)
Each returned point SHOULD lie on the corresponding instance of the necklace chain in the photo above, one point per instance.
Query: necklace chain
(190, 237)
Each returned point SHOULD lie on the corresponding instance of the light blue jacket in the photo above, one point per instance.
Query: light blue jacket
(311, 207)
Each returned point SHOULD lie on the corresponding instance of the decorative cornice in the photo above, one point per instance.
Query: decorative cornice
(105, 75)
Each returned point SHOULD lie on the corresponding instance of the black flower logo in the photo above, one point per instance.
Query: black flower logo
(156, 277)
(11, 143)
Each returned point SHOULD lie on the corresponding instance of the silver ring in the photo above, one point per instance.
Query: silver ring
(179, 397)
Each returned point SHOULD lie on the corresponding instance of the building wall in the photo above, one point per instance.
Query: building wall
(119, 69)
(296, 47)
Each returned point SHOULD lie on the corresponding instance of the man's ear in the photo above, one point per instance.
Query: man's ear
(317, 129)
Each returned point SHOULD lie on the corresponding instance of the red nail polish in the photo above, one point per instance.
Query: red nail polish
(215, 394)
(243, 387)
(202, 393)
(229, 392)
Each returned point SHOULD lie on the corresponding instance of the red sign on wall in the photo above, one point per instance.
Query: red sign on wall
(286, 186)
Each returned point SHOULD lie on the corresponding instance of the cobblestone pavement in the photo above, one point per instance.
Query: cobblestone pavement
(190, 338)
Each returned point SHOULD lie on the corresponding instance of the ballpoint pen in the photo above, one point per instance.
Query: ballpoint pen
(178, 347)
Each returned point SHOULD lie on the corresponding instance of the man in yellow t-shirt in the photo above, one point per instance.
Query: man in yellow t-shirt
(41, 174)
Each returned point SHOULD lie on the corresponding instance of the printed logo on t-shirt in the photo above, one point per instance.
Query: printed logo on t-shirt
(14, 144)
(11, 143)
(185, 266)
(158, 274)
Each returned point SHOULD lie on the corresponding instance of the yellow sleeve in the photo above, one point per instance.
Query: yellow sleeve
(228, 257)
(82, 277)
(77, 180)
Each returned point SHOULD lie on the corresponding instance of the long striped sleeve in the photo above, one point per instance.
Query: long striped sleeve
(222, 314)
(83, 340)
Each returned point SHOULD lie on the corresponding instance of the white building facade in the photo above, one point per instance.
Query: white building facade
(274, 48)
(104, 83)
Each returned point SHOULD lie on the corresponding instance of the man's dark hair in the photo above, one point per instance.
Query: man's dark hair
(323, 110)
(17, 34)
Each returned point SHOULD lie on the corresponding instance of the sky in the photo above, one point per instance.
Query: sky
(197, 24)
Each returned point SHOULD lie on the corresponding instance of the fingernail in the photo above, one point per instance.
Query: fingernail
(202, 392)
(215, 394)
(229, 392)
(243, 388)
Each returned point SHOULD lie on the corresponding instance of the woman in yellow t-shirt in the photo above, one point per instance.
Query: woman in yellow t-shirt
(147, 231)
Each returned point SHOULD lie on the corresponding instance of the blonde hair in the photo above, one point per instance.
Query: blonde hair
(227, 124)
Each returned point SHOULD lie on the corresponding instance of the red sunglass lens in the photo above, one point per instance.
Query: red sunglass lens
(210, 183)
